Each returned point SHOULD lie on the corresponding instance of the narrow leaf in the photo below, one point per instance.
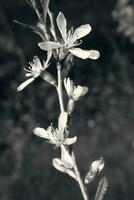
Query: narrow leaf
(45, 5)
(102, 187)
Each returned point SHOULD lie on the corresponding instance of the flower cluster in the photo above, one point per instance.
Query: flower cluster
(62, 48)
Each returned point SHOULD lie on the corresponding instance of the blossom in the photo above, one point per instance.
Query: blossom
(74, 92)
(34, 70)
(56, 136)
(70, 39)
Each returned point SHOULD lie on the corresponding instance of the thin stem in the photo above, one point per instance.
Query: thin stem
(79, 179)
(60, 95)
(59, 87)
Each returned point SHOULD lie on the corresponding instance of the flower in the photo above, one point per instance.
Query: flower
(70, 39)
(34, 70)
(56, 136)
(74, 92)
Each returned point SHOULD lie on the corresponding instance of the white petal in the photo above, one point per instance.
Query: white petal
(84, 54)
(70, 141)
(58, 164)
(49, 45)
(62, 25)
(66, 158)
(41, 132)
(82, 31)
(25, 83)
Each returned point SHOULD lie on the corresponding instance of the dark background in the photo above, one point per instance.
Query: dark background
(103, 120)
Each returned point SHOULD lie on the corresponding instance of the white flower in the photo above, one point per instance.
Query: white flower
(74, 92)
(70, 39)
(56, 136)
(34, 70)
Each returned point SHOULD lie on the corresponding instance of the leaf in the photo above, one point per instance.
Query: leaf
(59, 165)
(48, 77)
(45, 5)
(84, 54)
(36, 29)
(66, 158)
(101, 190)
(62, 25)
(34, 4)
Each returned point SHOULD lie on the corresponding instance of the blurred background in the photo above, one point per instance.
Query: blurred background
(103, 120)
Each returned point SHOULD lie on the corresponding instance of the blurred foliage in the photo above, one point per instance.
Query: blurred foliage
(103, 119)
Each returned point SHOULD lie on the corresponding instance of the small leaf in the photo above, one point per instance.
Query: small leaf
(62, 122)
(58, 164)
(66, 158)
(48, 77)
(45, 5)
(101, 190)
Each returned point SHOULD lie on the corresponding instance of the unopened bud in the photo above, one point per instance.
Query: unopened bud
(70, 106)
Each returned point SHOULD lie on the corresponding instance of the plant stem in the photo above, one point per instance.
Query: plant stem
(79, 179)
(60, 96)
(59, 87)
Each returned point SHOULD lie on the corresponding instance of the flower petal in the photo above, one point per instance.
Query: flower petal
(49, 45)
(82, 31)
(84, 54)
(70, 141)
(41, 132)
(25, 83)
(62, 25)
